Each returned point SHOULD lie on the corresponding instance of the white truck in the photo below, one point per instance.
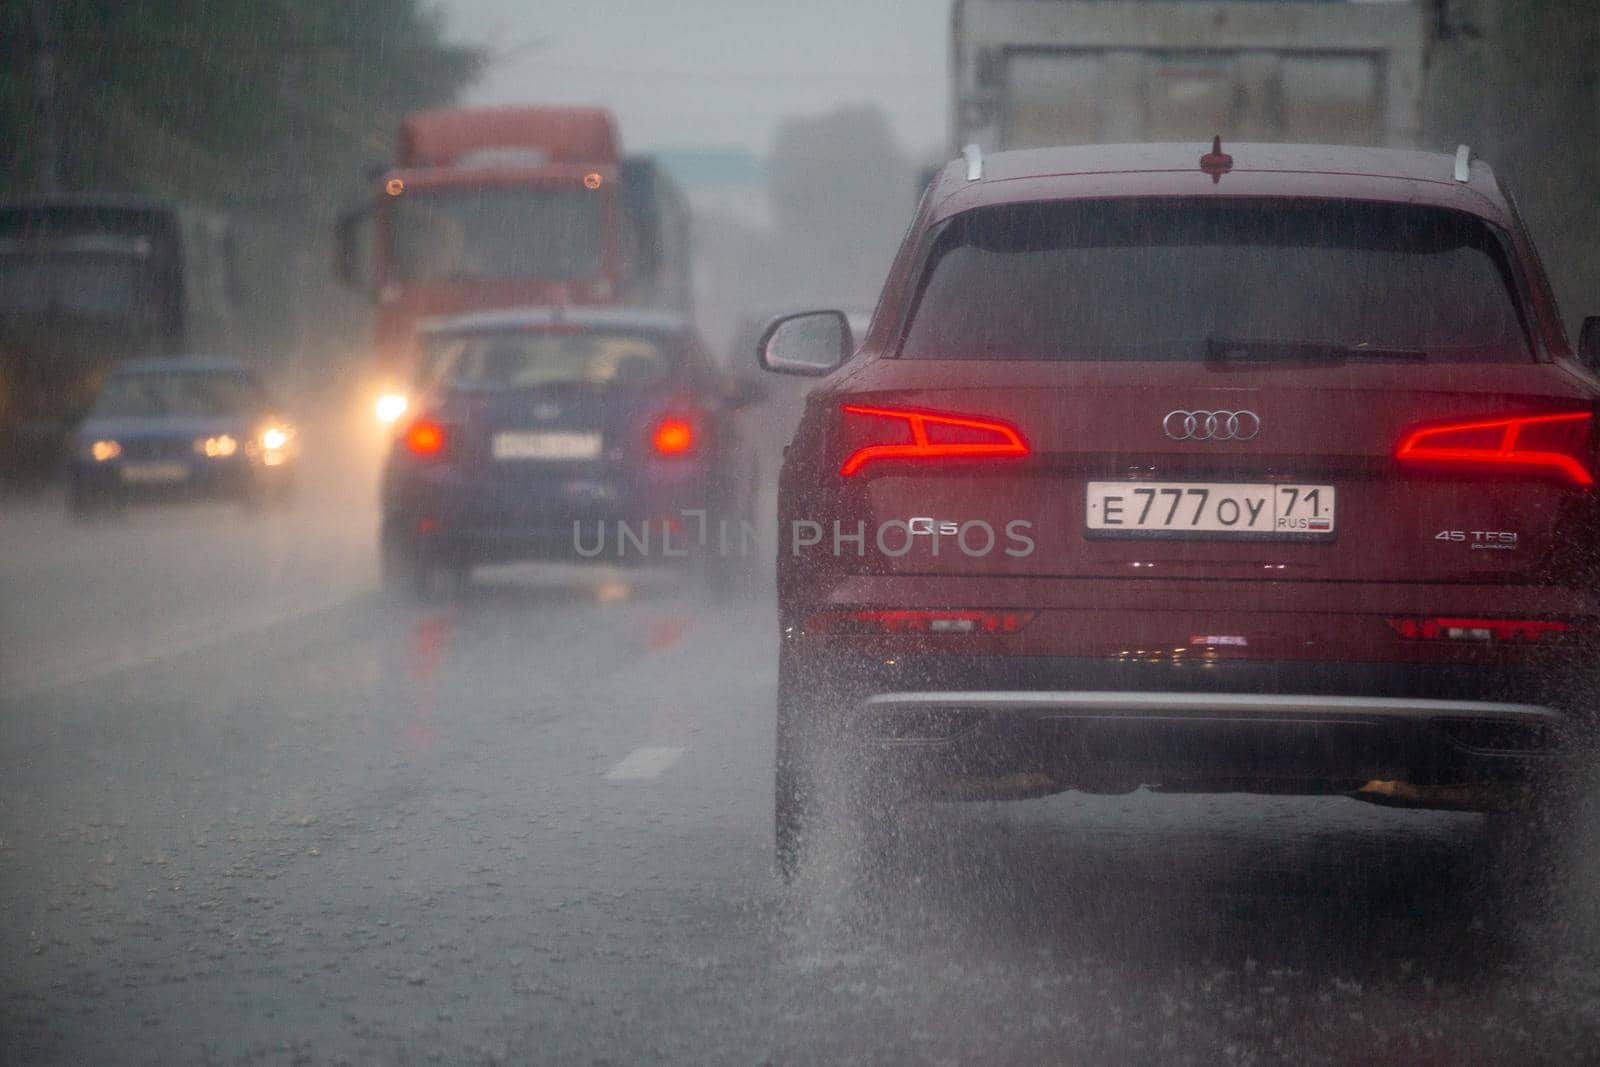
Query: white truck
(1027, 73)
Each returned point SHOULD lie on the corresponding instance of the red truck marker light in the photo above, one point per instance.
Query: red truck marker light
(928, 436)
(1551, 443)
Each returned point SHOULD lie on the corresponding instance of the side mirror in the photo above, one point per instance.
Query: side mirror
(353, 250)
(1589, 343)
(746, 392)
(812, 343)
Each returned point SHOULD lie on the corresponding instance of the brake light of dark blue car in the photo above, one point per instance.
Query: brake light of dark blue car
(674, 435)
(1557, 445)
(426, 438)
(874, 434)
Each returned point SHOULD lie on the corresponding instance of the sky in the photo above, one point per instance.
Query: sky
(716, 74)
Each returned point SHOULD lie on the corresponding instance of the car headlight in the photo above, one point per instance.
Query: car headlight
(390, 406)
(218, 447)
(104, 450)
(273, 438)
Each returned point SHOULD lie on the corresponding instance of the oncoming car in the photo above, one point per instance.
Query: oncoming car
(189, 427)
(568, 434)
(1262, 470)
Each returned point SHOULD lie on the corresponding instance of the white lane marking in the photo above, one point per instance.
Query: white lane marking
(644, 762)
(87, 665)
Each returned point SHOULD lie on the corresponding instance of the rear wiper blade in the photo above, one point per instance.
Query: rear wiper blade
(1384, 354)
(1277, 350)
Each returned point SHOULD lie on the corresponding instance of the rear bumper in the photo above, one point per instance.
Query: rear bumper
(999, 728)
(474, 545)
(616, 520)
(666, 539)
(1229, 707)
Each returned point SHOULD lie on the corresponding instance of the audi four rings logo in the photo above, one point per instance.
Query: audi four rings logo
(1211, 425)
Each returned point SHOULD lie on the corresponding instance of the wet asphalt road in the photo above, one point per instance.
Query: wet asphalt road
(252, 811)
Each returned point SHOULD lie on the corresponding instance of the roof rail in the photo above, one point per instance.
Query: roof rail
(974, 157)
(1463, 163)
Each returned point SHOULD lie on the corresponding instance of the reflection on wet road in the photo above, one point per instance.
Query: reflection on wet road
(253, 810)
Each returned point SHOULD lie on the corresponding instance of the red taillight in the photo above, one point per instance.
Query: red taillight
(673, 436)
(1553, 444)
(902, 621)
(425, 438)
(922, 435)
(1493, 631)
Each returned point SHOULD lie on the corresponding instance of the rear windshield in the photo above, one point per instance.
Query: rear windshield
(590, 359)
(1178, 279)
(162, 394)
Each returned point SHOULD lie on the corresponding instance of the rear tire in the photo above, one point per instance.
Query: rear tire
(408, 569)
(728, 569)
(448, 583)
(823, 787)
(1531, 843)
(399, 567)
(794, 794)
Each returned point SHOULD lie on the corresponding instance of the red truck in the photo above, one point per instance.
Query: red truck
(488, 208)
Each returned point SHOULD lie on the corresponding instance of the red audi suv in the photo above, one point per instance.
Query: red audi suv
(1261, 470)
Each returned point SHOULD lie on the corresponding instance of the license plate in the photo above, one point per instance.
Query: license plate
(545, 445)
(1211, 509)
(154, 473)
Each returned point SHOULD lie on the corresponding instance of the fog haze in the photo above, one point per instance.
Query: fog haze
(711, 72)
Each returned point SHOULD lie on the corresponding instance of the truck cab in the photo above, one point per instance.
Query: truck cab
(493, 208)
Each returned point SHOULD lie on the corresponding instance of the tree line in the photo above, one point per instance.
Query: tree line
(270, 111)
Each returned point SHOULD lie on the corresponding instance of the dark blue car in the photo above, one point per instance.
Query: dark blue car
(567, 434)
(180, 427)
